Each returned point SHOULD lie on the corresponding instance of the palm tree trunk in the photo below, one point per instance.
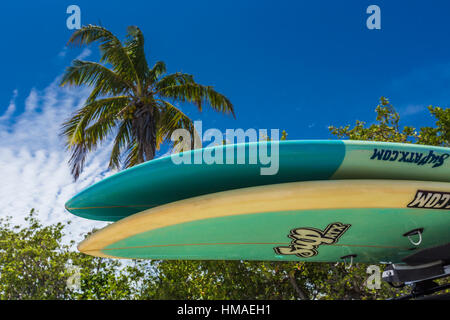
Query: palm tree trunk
(144, 131)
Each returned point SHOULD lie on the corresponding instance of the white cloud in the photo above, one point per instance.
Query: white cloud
(63, 52)
(34, 163)
(412, 109)
(84, 54)
(31, 101)
(11, 107)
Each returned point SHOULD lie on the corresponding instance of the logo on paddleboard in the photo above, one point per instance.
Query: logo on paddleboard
(418, 158)
(305, 241)
(430, 200)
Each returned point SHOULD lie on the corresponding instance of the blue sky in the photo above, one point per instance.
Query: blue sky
(294, 65)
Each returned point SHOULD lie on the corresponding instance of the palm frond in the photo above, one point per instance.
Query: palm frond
(173, 118)
(173, 79)
(104, 80)
(135, 48)
(77, 159)
(82, 139)
(158, 70)
(75, 128)
(111, 49)
(133, 154)
(121, 141)
(92, 136)
(199, 95)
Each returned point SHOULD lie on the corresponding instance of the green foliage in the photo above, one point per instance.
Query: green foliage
(439, 135)
(33, 261)
(387, 128)
(136, 103)
(219, 280)
(36, 264)
(101, 279)
(260, 280)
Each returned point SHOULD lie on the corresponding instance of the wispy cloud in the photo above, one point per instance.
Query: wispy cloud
(11, 107)
(84, 54)
(63, 52)
(31, 101)
(412, 109)
(33, 160)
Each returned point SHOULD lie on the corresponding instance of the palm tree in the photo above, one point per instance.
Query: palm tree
(129, 99)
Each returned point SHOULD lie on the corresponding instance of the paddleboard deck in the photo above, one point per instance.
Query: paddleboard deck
(317, 221)
(161, 181)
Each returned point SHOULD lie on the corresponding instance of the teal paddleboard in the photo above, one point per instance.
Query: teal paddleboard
(215, 169)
